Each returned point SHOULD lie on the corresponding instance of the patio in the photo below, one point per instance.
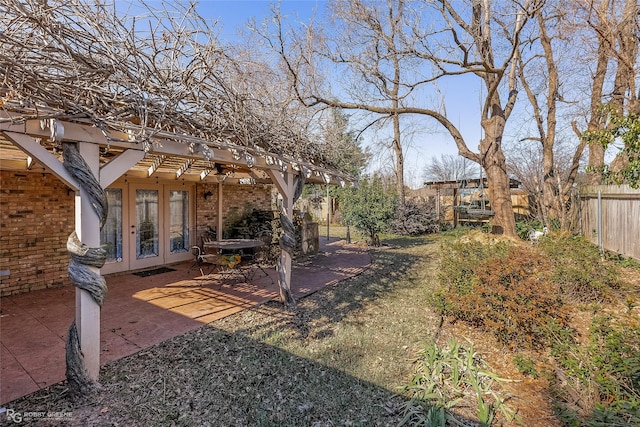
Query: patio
(142, 311)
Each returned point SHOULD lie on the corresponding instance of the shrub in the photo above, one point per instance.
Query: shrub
(579, 269)
(605, 375)
(369, 208)
(415, 217)
(504, 290)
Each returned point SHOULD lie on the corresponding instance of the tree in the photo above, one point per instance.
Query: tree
(524, 160)
(370, 45)
(343, 144)
(455, 42)
(485, 43)
(345, 150)
(448, 167)
(623, 129)
(615, 29)
(369, 208)
(552, 75)
(553, 179)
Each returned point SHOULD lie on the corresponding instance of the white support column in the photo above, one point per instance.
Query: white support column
(287, 203)
(219, 230)
(285, 183)
(88, 229)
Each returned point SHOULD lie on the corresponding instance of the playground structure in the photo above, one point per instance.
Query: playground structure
(466, 202)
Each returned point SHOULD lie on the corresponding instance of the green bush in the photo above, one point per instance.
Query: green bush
(579, 269)
(605, 374)
(369, 208)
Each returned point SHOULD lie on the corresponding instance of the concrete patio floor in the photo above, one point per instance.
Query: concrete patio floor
(139, 312)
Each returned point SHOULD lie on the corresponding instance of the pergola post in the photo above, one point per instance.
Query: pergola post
(284, 181)
(219, 231)
(287, 204)
(87, 225)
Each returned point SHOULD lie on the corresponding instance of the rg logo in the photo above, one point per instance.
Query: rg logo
(14, 416)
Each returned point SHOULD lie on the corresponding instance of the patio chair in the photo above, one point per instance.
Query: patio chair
(226, 265)
(200, 260)
(207, 236)
(198, 251)
(260, 259)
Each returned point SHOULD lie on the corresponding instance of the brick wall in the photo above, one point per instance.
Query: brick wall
(236, 200)
(36, 218)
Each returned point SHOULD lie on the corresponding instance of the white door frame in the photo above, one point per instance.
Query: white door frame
(149, 261)
(166, 216)
(129, 261)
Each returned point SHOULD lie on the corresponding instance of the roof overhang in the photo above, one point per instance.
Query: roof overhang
(165, 155)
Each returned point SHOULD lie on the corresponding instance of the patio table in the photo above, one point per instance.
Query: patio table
(234, 244)
(246, 264)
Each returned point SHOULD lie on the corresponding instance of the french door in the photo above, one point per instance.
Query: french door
(145, 231)
(147, 225)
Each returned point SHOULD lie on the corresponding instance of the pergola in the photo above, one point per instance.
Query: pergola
(27, 139)
(87, 97)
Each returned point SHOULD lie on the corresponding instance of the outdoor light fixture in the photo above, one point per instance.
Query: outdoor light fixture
(251, 160)
(208, 194)
(221, 173)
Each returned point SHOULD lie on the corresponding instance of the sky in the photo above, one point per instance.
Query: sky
(429, 140)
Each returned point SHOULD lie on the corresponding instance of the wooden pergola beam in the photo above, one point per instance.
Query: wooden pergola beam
(163, 143)
(38, 152)
(119, 165)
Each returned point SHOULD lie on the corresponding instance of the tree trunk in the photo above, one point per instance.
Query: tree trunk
(596, 151)
(549, 190)
(493, 161)
(397, 149)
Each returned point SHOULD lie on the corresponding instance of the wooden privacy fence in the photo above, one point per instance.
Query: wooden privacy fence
(610, 218)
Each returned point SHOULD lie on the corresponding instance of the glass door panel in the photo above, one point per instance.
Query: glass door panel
(111, 233)
(178, 221)
(147, 224)
(179, 217)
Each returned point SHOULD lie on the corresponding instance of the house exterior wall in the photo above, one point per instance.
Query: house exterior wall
(36, 218)
(236, 200)
(37, 214)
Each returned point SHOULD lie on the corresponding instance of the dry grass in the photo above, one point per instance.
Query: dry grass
(336, 360)
(339, 358)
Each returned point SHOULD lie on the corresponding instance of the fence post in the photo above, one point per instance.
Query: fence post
(599, 220)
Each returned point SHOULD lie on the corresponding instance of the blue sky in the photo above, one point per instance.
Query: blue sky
(235, 14)
(462, 102)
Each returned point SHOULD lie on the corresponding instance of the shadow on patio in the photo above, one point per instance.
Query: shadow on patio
(142, 311)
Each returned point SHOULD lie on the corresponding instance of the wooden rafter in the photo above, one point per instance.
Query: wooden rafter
(184, 167)
(156, 164)
(165, 144)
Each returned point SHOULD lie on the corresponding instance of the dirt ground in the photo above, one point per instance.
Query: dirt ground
(339, 358)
